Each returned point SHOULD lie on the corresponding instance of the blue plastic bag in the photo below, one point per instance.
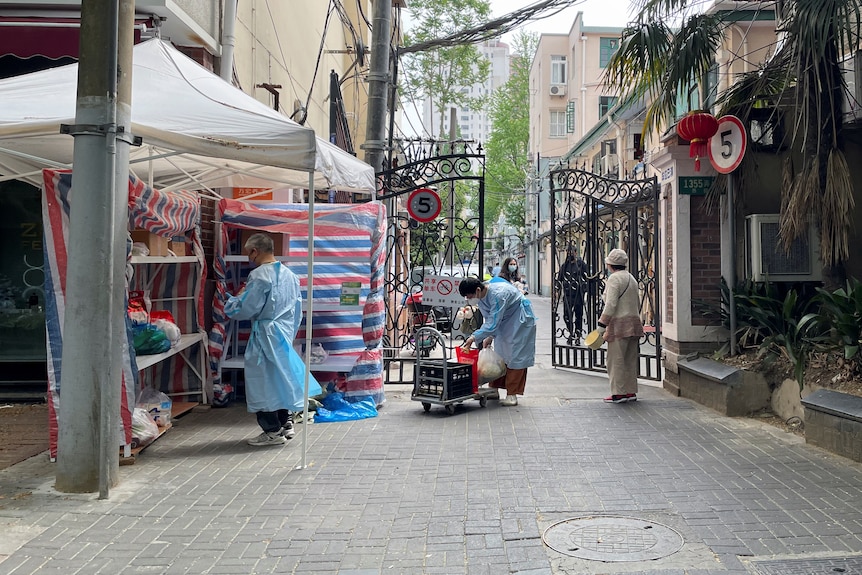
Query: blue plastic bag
(336, 408)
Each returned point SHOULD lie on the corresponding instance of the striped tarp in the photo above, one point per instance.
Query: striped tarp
(56, 201)
(353, 232)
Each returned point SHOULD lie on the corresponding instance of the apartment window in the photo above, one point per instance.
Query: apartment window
(558, 124)
(607, 47)
(558, 69)
(605, 104)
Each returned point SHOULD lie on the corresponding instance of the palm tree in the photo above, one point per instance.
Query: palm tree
(804, 77)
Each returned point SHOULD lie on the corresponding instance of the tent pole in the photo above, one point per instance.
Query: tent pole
(309, 290)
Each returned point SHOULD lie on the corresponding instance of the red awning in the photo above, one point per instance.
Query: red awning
(49, 37)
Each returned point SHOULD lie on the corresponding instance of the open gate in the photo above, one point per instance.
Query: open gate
(591, 215)
(449, 245)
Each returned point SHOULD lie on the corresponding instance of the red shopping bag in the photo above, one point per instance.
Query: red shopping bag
(471, 357)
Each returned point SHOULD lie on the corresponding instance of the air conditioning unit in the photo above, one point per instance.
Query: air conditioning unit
(766, 259)
(558, 90)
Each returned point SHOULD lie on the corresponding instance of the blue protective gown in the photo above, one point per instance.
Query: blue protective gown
(509, 319)
(274, 372)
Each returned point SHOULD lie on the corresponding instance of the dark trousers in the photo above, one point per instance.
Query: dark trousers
(573, 309)
(272, 421)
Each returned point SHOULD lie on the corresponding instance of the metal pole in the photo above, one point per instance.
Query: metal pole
(378, 82)
(88, 407)
(731, 214)
(453, 133)
(109, 472)
(309, 318)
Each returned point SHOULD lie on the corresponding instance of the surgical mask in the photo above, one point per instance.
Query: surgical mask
(472, 301)
(513, 268)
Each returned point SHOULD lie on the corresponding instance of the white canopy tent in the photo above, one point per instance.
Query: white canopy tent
(198, 131)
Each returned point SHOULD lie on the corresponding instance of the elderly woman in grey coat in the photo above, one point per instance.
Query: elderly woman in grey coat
(622, 328)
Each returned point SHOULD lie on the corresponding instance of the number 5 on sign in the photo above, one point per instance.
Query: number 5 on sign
(727, 146)
(423, 205)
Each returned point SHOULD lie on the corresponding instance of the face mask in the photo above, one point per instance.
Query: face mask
(513, 268)
(472, 301)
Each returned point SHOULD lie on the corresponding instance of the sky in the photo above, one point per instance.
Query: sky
(596, 13)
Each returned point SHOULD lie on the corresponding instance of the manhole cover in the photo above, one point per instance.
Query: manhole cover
(611, 538)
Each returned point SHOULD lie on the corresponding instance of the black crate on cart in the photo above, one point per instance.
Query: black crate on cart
(428, 379)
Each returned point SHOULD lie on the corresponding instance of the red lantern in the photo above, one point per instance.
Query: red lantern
(697, 127)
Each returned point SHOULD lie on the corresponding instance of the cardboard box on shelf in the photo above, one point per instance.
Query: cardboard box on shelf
(281, 242)
(157, 245)
(180, 246)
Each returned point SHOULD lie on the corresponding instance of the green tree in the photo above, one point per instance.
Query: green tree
(442, 73)
(662, 61)
(506, 153)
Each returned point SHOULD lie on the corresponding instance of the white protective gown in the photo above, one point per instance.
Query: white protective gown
(274, 372)
(508, 317)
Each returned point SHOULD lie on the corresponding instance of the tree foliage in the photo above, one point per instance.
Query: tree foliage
(442, 73)
(506, 153)
(669, 49)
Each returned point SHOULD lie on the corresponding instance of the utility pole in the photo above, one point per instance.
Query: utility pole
(378, 84)
(94, 330)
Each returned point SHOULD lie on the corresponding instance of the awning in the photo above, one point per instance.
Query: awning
(50, 37)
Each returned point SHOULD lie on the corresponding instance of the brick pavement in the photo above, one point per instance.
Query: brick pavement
(410, 492)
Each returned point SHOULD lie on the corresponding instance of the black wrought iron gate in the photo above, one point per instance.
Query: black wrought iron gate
(591, 216)
(450, 245)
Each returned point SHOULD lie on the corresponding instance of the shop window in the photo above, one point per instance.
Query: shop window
(22, 293)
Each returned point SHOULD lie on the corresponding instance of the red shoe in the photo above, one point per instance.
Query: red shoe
(616, 399)
(631, 397)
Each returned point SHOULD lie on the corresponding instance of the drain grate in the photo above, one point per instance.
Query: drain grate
(612, 538)
(831, 566)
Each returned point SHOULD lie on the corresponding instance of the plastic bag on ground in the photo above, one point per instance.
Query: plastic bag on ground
(336, 408)
(144, 428)
(490, 365)
(157, 404)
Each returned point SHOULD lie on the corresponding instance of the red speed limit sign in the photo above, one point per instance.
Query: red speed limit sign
(727, 146)
(423, 205)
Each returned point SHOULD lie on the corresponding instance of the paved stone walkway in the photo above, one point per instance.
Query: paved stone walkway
(472, 493)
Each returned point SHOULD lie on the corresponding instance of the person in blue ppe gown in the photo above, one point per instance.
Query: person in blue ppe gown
(274, 372)
(508, 322)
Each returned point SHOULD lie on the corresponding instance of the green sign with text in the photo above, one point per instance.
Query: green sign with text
(694, 185)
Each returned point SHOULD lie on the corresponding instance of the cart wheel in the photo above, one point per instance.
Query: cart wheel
(483, 401)
(427, 406)
(450, 409)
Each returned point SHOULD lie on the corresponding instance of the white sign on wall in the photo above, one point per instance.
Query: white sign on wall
(442, 290)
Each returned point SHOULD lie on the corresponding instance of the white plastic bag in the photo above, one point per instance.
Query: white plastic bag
(490, 365)
(144, 428)
(157, 404)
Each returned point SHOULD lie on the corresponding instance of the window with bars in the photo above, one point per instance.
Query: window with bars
(558, 124)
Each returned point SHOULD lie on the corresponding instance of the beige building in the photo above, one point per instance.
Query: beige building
(567, 98)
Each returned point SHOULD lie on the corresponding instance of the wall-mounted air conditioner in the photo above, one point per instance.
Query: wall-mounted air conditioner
(557, 90)
(766, 259)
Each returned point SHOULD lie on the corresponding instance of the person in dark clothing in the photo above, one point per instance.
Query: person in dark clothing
(572, 280)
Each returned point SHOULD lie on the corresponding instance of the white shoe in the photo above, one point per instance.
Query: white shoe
(509, 400)
(268, 438)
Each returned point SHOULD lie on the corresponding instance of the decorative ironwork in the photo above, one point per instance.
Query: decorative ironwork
(425, 163)
(592, 215)
(438, 247)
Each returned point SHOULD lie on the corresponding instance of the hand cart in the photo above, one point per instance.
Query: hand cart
(443, 381)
